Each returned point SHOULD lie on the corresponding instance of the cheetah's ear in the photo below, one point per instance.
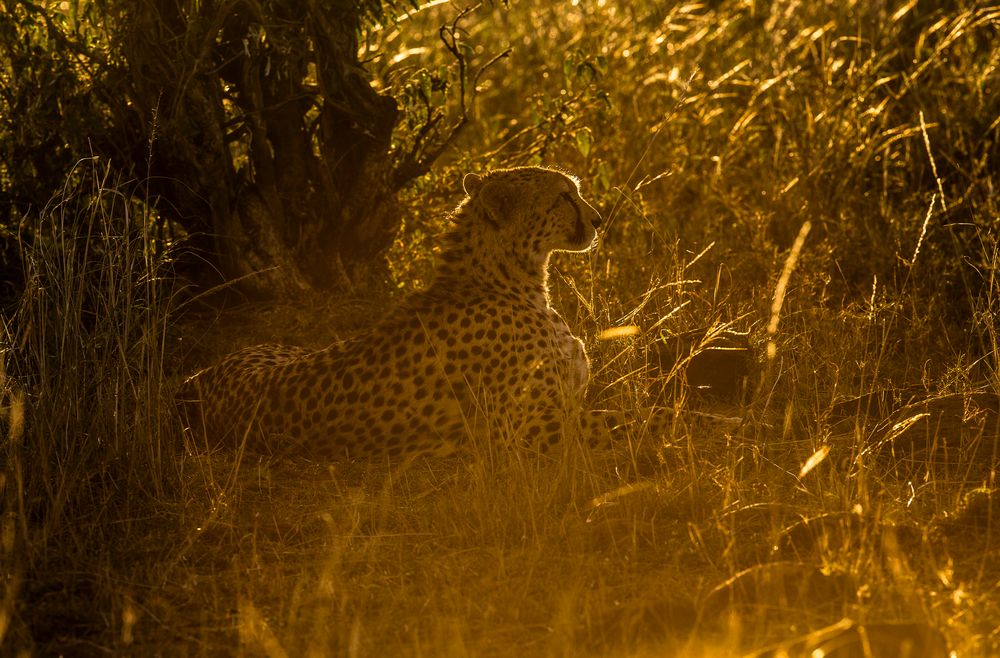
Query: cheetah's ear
(471, 183)
(494, 198)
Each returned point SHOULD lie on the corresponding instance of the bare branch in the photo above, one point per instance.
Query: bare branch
(422, 155)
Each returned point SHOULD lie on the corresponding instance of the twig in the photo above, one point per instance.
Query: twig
(421, 156)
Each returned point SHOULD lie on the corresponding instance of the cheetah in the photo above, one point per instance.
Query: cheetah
(480, 353)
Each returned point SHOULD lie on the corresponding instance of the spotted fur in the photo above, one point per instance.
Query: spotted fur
(481, 353)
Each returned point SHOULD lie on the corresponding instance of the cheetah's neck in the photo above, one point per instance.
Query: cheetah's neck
(469, 261)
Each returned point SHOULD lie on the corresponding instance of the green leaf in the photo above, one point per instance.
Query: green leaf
(569, 66)
(604, 175)
(583, 141)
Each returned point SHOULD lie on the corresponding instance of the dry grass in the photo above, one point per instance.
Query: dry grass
(852, 503)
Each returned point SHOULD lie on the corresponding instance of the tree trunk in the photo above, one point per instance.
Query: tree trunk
(265, 136)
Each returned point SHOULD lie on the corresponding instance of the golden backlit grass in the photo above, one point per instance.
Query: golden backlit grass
(847, 498)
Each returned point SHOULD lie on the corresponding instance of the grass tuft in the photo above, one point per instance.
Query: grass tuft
(88, 434)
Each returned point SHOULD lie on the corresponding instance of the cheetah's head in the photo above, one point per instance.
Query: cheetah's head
(534, 208)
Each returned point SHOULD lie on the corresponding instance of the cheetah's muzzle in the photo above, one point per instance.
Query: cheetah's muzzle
(579, 227)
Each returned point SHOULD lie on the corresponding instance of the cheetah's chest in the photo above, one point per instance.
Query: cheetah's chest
(571, 352)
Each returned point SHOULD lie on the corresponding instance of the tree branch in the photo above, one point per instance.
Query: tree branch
(422, 154)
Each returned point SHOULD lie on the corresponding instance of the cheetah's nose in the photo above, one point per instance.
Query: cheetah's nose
(596, 220)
